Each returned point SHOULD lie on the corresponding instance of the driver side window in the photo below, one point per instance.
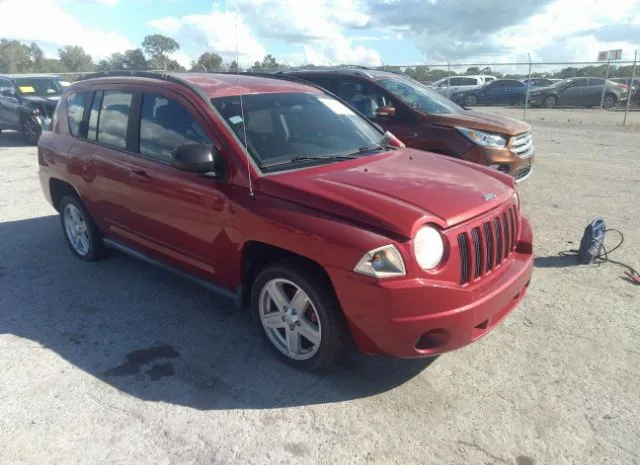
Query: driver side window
(362, 96)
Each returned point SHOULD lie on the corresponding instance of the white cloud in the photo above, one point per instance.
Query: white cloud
(50, 24)
(217, 32)
(102, 2)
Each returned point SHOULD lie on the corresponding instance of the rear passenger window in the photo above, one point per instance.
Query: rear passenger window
(75, 111)
(165, 125)
(114, 119)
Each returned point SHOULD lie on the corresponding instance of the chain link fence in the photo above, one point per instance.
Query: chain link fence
(523, 89)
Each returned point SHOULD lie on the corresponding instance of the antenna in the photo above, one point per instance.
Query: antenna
(244, 126)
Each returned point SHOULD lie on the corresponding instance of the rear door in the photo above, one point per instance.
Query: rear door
(593, 91)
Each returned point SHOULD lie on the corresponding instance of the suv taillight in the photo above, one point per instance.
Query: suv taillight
(623, 87)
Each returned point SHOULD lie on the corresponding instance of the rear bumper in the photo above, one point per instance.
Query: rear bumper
(415, 317)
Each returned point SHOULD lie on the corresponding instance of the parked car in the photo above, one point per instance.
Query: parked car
(453, 84)
(28, 101)
(498, 92)
(634, 89)
(579, 92)
(425, 120)
(541, 82)
(282, 198)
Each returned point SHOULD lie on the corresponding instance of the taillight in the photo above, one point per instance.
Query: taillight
(623, 87)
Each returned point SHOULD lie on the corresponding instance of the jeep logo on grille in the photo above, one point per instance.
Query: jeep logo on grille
(489, 196)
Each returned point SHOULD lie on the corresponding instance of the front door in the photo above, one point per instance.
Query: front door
(9, 107)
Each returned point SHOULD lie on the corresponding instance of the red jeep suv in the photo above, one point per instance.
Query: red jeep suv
(282, 198)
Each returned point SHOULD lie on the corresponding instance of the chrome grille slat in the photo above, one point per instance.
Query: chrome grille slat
(484, 246)
(522, 145)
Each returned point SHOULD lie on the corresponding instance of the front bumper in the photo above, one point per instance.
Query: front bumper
(502, 159)
(416, 317)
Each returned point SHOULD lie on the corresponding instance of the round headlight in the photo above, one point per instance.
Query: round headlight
(428, 247)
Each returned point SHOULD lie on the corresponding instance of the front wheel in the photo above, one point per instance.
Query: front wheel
(31, 130)
(550, 101)
(609, 101)
(299, 315)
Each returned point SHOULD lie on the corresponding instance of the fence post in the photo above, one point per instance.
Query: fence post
(526, 94)
(448, 79)
(604, 86)
(633, 78)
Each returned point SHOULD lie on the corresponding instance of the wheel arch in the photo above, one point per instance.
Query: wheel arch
(256, 255)
(58, 189)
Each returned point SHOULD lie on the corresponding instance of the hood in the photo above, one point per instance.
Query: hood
(484, 122)
(49, 102)
(396, 191)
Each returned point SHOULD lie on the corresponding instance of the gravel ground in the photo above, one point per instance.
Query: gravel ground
(119, 363)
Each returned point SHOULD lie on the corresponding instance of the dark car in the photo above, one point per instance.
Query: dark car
(498, 92)
(426, 120)
(27, 103)
(634, 89)
(579, 92)
(285, 200)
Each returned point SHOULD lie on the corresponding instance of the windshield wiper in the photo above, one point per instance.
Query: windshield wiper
(311, 158)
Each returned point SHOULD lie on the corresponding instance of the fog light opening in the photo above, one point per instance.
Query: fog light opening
(433, 339)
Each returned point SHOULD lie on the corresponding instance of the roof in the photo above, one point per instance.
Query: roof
(213, 84)
(353, 71)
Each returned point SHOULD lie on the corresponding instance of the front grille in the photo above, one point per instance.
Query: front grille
(522, 145)
(486, 246)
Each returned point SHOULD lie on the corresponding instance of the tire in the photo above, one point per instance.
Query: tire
(470, 100)
(80, 231)
(31, 130)
(550, 101)
(609, 101)
(316, 331)
(520, 101)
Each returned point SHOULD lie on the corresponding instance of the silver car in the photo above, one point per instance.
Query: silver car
(453, 84)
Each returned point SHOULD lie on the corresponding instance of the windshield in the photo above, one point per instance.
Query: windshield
(419, 96)
(283, 126)
(39, 87)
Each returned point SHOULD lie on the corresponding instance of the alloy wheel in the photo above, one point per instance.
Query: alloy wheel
(290, 319)
(76, 229)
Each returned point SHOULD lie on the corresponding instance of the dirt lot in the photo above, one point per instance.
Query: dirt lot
(119, 363)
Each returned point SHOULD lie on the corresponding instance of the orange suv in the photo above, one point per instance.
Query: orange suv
(426, 120)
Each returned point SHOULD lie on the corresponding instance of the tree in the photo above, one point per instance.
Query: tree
(269, 62)
(233, 67)
(74, 58)
(207, 62)
(36, 55)
(14, 57)
(158, 48)
(472, 70)
(173, 65)
(134, 59)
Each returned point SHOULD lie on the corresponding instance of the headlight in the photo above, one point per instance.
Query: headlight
(385, 262)
(428, 247)
(485, 139)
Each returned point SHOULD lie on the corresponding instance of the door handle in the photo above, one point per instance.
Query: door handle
(139, 176)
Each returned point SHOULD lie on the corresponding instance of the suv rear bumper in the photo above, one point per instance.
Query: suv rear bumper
(415, 317)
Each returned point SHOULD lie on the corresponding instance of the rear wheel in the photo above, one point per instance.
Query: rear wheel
(31, 130)
(299, 315)
(80, 231)
(470, 100)
(550, 101)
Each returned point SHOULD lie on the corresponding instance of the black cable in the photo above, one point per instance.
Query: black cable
(603, 257)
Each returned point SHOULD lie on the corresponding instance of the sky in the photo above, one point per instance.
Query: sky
(325, 32)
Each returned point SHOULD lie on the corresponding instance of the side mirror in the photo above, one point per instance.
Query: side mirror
(8, 93)
(386, 112)
(198, 158)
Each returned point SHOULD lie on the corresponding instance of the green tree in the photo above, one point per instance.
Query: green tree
(233, 67)
(15, 57)
(269, 62)
(158, 48)
(173, 65)
(472, 70)
(134, 59)
(207, 62)
(74, 58)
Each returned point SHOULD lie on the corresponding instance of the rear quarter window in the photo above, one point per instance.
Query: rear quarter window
(75, 111)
